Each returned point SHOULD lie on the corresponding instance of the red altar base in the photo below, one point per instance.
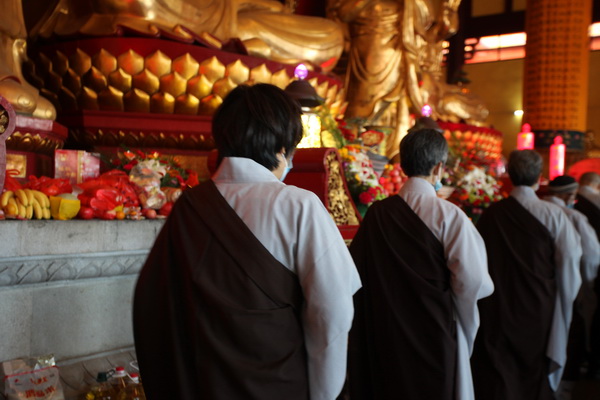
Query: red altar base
(185, 137)
(30, 148)
(92, 129)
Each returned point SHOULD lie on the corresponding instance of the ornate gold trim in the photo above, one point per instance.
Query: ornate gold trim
(131, 82)
(340, 205)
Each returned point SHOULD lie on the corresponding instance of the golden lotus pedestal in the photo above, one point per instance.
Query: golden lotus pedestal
(151, 93)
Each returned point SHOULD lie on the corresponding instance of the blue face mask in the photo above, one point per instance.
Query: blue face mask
(288, 167)
(571, 205)
(437, 186)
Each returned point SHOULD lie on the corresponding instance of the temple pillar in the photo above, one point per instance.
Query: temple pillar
(555, 93)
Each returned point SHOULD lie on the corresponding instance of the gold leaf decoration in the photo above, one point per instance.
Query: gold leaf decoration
(80, 62)
(173, 84)
(111, 99)
(212, 68)
(335, 107)
(72, 81)
(186, 66)
(53, 82)
(104, 62)
(260, 74)
(340, 207)
(223, 86)
(88, 99)
(95, 80)
(199, 86)
(187, 104)
(21, 140)
(129, 81)
(146, 81)
(238, 72)
(131, 62)
(162, 103)
(280, 79)
(322, 89)
(67, 99)
(120, 79)
(60, 63)
(45, 65)
(331, 93)
(137, 100)
(209, 104)
(158, 63)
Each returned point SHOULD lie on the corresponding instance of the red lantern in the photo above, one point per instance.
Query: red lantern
(557, 158)
(525, 138)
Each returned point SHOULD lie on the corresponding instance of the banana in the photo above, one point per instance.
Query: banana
(47, 213)
(29, 214)
(22, 196)
(11, 209)
(29, 194)
(4, 198)
(22, 209)
(37, 209)
(41, 198)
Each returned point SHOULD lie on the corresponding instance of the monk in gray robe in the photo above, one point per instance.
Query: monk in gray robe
(423, 266)
(247, 292)
(534, 253)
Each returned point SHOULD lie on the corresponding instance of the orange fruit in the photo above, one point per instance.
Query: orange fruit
(120, 215)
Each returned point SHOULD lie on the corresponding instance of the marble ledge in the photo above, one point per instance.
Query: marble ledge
(48, 251)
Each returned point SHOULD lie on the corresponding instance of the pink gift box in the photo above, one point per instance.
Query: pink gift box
(76, 165)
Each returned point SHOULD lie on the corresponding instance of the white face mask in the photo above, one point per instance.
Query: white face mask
(288, 167)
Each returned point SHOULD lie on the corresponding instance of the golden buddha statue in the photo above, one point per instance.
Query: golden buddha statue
(24, 98)
(395, 63)
(449, 102)
(267, 28)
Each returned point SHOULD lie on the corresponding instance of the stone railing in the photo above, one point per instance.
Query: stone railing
(66, 288)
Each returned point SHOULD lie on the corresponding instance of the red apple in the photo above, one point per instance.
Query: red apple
(85, 213)
(149, 213)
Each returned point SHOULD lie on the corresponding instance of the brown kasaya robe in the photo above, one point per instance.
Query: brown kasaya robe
(592, 213)
(509, 358)
(590, 210)
(403, 340)
(216, 316)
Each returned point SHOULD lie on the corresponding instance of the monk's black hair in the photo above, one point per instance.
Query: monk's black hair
(524, 167)
(256, 122)
(421, 150)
